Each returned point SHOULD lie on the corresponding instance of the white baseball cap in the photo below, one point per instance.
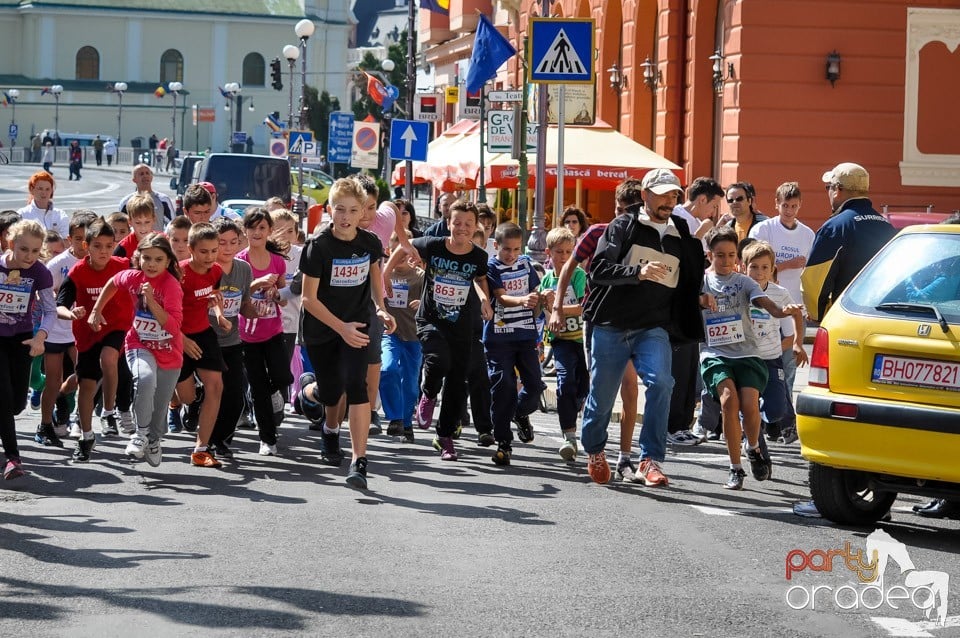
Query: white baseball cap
(661, 181)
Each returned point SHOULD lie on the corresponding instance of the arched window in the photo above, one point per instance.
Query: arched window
(88, 64)
(171, 66)
(254, 70)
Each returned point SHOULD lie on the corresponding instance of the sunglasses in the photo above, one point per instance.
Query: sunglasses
(832, 187)
(731, 200)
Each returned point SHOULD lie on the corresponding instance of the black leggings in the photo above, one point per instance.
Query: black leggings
(15, 363)
(446, 360)
(231, 401)
(268, 371)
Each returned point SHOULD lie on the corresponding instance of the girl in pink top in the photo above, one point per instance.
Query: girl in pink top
(154, 344)
(264, 356)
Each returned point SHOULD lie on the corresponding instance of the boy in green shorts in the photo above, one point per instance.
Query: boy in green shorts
(733, 372)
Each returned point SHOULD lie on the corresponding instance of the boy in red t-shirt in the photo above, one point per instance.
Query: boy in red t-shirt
(142, 218)
(201, 283)
(98, 353)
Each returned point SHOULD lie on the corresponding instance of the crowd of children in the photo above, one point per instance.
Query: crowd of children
(152, 325)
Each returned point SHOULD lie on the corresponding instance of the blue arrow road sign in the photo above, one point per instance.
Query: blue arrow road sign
(561, 50)
(340, 140)
(408, 140)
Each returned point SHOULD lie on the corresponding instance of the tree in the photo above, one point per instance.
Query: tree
(319, 107)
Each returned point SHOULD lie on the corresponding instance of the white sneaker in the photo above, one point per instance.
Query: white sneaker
(75, 431)
(700, 432)
(683, 438)
(153, 454)
(568, 451)
(126, 422)
(267, 450)
(136, 446)
(61, 430)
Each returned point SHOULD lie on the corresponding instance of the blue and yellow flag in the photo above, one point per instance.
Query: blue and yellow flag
(437, 6)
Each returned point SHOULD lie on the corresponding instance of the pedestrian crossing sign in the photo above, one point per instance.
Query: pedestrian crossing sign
(561, 51)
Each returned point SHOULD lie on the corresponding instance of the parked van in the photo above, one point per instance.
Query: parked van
(248, 177)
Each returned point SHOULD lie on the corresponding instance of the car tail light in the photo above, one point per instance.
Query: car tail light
(844, 410)
(179, 204)
(820, 360)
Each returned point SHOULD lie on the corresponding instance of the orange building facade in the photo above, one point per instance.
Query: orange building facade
(771, 114)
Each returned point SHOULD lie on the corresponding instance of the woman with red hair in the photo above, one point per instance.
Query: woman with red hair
(40, 208)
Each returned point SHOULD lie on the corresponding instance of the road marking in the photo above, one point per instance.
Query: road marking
(740, 511)
(901, 627)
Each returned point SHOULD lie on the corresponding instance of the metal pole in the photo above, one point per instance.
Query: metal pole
(173, 122)
(301, 206)
(56, 120)
(119, 118)
(537, 244)
(558, 206)
(523, 174)
(290, 63)
(481, 182)
(411, 88)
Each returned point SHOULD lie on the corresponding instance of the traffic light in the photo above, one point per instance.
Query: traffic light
(276, 74)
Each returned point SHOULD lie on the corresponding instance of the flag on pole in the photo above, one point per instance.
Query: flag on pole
(437, 6)
(490, 50)
(223, 93)
(5, 99)
(45, 90)
(376, 89)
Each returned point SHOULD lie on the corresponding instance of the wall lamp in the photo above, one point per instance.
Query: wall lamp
(651, 75)
(618, 81)
(718, 76)
(833, 67)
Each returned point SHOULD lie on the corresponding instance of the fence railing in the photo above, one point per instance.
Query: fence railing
(126, 155)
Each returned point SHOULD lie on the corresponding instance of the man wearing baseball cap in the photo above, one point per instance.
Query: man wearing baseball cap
(218, 210)
(645, 282)
(846, 242)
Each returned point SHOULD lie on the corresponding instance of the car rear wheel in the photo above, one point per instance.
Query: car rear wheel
(845, 496)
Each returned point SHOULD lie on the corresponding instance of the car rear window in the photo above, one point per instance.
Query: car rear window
(920, 268)
(245, 177)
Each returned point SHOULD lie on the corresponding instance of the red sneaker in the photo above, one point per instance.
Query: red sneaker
(652, 475)
(597, 468)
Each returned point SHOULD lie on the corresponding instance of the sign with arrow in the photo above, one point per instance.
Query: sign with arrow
(408, 140)
(561, 50)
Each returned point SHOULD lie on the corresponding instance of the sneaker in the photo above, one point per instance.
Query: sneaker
(174, 422)
(204, 459)
(136, 446)
(524, 429)
(424, 412)
(700, 432)
(223, 450)
(127, 426)
(395, 428)
(485, 439)
(502, 455)
(35, 399)
(13, 469)
(315, 412)
(61, 410)
(715, 435)
(447, 451)
(63, 431)
(759, 466)
(568, 451)
(627, 472)
(84, 448)
(652, 475)
(330, 450)
(153, 454)
(357, 476)
(597, 468)
(245, 422)
(457, 432)
(375, 429)
(408, 435)
(108, 425)
(46, 436)
(317, 426)
(788, 436)
(683, 438)
(267, 450)
(75, 431)
(735, 481)
(191, 417)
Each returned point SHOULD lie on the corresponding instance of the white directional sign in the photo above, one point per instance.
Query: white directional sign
(408, 140)
(561, 50)
(505, 96)
(500, 132)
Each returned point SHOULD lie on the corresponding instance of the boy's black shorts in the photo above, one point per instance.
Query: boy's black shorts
(88, 361)
(210, 359)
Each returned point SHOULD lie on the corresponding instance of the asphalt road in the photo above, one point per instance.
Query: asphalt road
(98, 189)
(279, 546)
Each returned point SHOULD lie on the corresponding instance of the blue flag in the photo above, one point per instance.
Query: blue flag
(490, 50)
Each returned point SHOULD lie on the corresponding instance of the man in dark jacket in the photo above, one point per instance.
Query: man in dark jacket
(846, 242)
(645, 281)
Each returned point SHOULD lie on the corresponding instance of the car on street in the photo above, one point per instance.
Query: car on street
(179, 182)
(247, 177)
(316, 184)
(881, 413)
(902, 216)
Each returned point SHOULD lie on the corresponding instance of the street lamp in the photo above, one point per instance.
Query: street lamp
(231, 90)
(175, 88)
(388, 66)
(304, 30)
(57, 91)
(291, 53)
(14, 94)
(119, 88)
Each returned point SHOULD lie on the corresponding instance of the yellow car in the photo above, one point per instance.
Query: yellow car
(316, 184)
(881, 414)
